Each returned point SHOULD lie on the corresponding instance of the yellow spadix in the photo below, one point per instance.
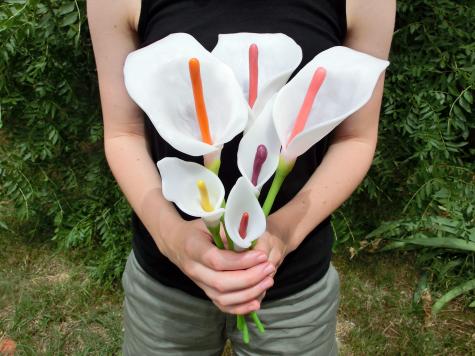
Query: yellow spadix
(204, 196)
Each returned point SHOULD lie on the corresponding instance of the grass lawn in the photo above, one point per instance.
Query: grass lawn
(49, 306)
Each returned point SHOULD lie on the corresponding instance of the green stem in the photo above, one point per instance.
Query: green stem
(228, 239)
(257, 321)
(283, 170)
(245, 331)
(239, 322)
(214, 166)
(240, 319)
(214, 231)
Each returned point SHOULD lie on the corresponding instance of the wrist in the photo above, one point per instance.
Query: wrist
(281, 229)
(168, 233)
(159, 217)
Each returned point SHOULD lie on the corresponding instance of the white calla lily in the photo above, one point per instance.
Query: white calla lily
(157, 78)
(350, 80)
(262, 132)
(179, 185)
(277, 56)
(242, 200)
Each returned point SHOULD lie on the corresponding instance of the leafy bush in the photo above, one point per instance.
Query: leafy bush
(419, 193)
(52, 163)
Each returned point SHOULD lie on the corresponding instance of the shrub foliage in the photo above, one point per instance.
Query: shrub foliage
(52, 162)
(419, 193)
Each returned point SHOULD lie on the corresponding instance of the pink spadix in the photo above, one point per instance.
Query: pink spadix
(259, 159)
(243, 225)
(253, 73)
(312, 91)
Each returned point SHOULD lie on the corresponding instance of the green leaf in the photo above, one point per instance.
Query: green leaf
(69, 19)
(465, 104)
(453, 293)
(422, 285)
(66, 8)
(451, 243)
(458, 112)
(3, 225)
(467, 95)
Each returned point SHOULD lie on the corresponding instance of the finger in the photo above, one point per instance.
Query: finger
(275, 258)
(230, 281)
(241, 309)
(222, 233)
(274, 255)
(261, 297)
(244, 308)
(246, 295)
(223, 260)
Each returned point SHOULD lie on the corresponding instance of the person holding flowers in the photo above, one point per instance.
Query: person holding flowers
(235, 129)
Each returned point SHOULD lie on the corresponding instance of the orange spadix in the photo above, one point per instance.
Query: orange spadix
(204, 196)
(200, 107)
(312, 91)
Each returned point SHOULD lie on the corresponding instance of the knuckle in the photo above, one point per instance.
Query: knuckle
(188, 247)
(220, 301)
(190, 269)
(218, 305)
(219, 286)
(212, 260)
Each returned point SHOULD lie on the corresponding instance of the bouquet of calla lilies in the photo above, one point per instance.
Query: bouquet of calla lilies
(199, 100)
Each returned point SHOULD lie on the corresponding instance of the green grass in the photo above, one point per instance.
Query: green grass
(378, 316)
(50, 306)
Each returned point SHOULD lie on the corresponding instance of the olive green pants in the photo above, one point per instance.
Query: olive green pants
(159, 320)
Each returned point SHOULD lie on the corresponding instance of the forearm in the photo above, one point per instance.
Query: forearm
(343, 168)
(140, 181)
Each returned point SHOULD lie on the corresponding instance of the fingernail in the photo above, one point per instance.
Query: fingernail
(269, 269)
(261, 257)
(254, 306)
(267, 283)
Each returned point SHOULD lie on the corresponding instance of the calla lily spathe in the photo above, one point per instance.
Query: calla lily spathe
(179, 185)
(157, 78)
(262, 132)
(278, 56)
(350, 80)
(242, 200)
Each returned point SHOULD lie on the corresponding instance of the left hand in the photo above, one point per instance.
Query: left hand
(275, 244)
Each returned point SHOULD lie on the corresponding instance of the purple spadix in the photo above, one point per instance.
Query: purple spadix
(260, 158)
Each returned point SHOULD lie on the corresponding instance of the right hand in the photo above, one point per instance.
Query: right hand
(235, 282)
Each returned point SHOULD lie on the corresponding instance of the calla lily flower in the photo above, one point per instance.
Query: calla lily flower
(262, 132)
(184, 90)
(348, 84)
(262, 63)
(242, 200)
(193, 188)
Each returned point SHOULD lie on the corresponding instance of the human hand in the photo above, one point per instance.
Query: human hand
(275, 244)
(233, 281)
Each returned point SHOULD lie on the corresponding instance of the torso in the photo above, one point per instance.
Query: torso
(315, 25)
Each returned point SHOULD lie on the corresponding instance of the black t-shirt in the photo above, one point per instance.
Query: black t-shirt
(315, 26)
